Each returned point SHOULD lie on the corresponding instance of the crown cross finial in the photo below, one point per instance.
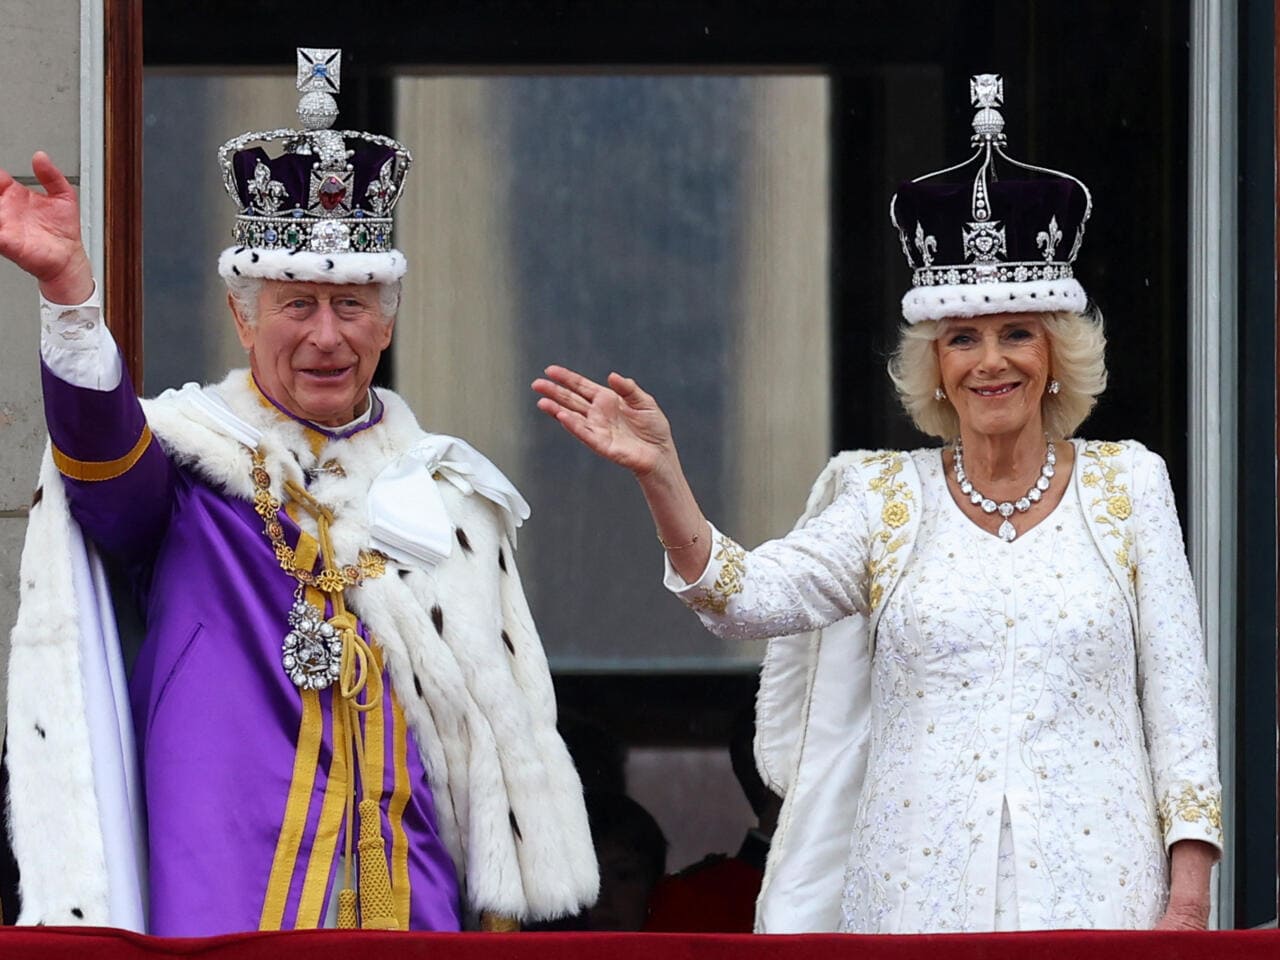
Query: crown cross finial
(319, 78)
(319, 70)
(986, 92)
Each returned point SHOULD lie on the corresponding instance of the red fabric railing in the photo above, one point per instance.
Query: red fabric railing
(18, 943)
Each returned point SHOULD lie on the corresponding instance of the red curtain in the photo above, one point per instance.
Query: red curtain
(77, 943)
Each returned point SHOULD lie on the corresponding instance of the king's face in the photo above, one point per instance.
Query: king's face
(314, 347)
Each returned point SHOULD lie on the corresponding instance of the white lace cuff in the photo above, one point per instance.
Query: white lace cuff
(77, 346)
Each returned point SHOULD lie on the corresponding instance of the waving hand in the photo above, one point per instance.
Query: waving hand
(620, 422)
(40, 232)
(625, 425)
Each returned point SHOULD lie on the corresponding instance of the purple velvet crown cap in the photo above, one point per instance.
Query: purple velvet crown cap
(293, 171)
(1025, 208)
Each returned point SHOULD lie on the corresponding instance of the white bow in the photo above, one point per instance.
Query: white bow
(407, 516)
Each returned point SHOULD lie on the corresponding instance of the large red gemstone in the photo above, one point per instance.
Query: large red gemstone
(332, 192)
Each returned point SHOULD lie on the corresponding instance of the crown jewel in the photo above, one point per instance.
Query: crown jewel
(979, 243)
(327, 191)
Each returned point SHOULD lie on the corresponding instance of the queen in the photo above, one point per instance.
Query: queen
(985, 699)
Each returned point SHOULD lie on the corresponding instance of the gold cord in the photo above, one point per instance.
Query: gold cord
(359, 690)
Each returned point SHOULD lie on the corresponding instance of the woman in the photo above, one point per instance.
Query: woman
(1010, 646)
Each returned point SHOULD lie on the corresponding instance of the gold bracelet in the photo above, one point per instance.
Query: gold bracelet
(684, 546)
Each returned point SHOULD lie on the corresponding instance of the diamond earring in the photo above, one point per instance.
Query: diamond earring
(1054, 387)
(939, 394)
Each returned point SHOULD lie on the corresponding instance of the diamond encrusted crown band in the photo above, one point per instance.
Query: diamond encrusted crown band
(991, 273)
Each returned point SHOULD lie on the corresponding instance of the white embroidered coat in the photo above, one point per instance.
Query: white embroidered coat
(839, 718)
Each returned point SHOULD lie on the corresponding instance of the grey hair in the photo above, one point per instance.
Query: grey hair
(1077, 360)
(246, 292)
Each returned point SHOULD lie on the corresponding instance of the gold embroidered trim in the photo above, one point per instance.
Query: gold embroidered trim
(1111, 506)
(395, 813)
(316, 878)
(733, 567)
(1192, 805)
(370, 564)
(882, 565)
(285, 860)
(98, 470)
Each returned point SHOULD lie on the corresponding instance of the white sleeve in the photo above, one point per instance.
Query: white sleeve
(1173, 678)
(76, 345)
(812, 577)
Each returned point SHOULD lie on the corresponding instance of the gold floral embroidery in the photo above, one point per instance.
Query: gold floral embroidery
(895, 513)
(882, 565)
(733, 567)
(1112, 507)
(1192, 805)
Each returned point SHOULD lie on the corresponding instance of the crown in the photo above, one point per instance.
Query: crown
(327, 194)
(979, 243)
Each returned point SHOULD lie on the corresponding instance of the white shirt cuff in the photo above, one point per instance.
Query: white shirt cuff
(77, 346)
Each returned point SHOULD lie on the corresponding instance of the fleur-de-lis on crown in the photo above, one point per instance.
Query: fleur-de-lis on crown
(926, 245)
(382, 191)
(267, 194)
(1048, 240)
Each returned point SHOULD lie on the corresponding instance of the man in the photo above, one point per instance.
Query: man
(343, 715)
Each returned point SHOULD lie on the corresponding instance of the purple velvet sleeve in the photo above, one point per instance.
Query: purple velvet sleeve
(100, 433)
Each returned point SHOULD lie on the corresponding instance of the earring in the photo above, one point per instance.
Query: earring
(939, 394)
(1054, 387)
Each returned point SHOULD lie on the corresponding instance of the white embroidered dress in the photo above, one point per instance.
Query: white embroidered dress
(1032, 754)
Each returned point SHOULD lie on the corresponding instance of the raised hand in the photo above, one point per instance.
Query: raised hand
(624, 424)
(620, 422)
(40, 232)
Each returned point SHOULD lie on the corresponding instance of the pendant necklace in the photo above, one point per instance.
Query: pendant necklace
(1006, 507)
(311, 653)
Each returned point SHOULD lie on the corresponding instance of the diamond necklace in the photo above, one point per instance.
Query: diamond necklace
(1005, 508)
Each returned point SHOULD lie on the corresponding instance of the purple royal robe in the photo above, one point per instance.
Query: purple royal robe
(240, 835)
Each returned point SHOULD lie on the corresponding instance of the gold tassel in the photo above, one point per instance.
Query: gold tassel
(498, 923)
(377, 908)
(347, 909)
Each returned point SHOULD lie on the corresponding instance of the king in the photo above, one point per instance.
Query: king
(340, 713)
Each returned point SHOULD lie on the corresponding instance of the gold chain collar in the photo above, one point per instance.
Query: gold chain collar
(370, 565)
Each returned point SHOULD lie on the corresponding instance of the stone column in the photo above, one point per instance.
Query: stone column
(40, 110)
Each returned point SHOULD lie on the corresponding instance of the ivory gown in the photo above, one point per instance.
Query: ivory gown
(1004, 674)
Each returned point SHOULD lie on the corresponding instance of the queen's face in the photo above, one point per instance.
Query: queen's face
(994, 370)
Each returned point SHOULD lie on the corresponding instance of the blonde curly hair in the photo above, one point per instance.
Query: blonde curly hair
(1077, 358)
